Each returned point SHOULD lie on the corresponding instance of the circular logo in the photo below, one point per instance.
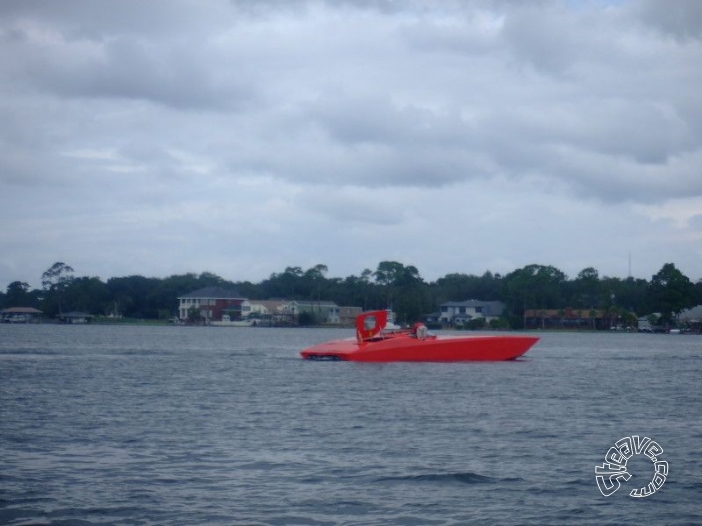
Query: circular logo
(609, 474)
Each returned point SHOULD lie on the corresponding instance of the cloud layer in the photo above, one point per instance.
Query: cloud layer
(243, 137)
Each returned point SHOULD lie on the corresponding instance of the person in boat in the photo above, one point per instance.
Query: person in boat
(420, 331)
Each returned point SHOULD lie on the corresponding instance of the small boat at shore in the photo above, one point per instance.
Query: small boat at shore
(373, 343)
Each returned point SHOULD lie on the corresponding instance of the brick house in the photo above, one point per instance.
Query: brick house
(212, 303)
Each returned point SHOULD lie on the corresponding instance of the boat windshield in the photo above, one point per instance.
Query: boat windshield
(370, 324)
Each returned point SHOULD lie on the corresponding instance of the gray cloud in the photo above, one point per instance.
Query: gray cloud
(681, 19)
(149, 123)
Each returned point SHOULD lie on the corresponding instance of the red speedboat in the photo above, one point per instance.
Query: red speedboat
(375, 344)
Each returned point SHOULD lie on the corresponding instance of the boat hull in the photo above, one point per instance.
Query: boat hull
(437, 349)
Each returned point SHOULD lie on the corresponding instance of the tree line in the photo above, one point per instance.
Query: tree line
(391, 285)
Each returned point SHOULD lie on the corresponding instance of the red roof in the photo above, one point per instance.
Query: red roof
(20, 310)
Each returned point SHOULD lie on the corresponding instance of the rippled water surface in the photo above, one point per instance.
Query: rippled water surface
(177, 425)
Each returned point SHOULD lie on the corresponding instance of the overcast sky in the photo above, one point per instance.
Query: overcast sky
(241, 138)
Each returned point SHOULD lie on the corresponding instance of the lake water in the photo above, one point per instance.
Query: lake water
(105, 425)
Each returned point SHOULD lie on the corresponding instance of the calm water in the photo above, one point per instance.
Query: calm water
(175, 425)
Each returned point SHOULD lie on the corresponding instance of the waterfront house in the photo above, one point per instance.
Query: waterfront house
(20, 315)
(347, 315)
(643, 323)
(210, 303)
(457, 313)
(691, 316)
(269, 310)
(322, 311)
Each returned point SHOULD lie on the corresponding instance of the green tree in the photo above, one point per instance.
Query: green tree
(653, 319)
(593, 317)
(533, 287)
(698, 292)
(55, 280)
(404, 289)
(614, 315)
(671, 291)
(87, 294)
(629, 319)
(387, 276)
(476, 324)
(314, 280)
(287, 284)
(460, 287)
(358, 291)
(366, 287)
(18, 295)
(499, 323)
(134, 296)
(210, 279)
(629, 294)
(586, 289)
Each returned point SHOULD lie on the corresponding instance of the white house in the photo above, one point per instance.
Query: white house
(693, 315)
(459, 312)
(267, 309)
(213, 302)
(324, 311)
